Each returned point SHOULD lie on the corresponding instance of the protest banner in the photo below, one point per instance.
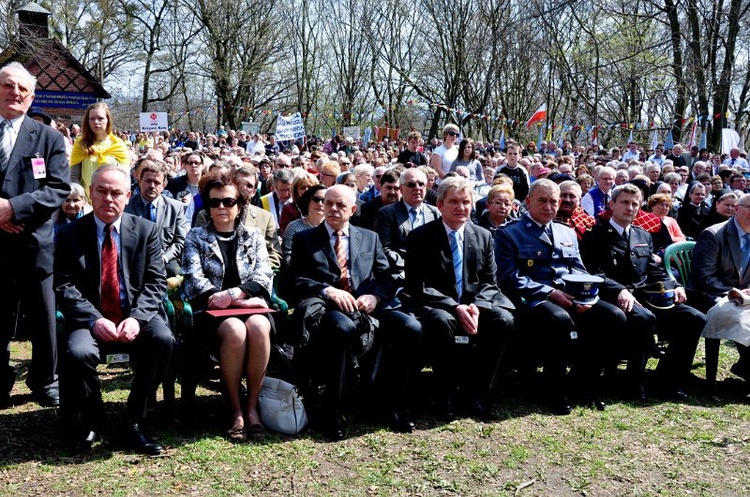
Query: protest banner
(351, 131)
(290, 128)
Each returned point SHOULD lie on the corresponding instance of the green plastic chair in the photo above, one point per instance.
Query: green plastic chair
(679, 257)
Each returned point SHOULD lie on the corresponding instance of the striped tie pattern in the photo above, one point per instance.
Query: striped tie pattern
(5, 149)
(341, 258)
(110, 306)
(458, 262)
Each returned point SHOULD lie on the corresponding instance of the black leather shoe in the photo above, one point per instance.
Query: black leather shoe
(479, 411)
(84, 446)
(670, 394)
(5, 402)
(400, 422)
(139, 442)
(740, 370)
(6, 386)
(444, 409)
(560, 405)
(333, 428)
(596, 402)
(48, 396)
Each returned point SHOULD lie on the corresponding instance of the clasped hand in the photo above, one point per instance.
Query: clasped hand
(347, 303)
(223, 299)
(106, 331)
(468, 316)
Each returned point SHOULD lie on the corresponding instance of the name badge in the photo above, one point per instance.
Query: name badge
(39, 168)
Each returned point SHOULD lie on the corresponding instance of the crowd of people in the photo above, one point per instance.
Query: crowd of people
(467, 257)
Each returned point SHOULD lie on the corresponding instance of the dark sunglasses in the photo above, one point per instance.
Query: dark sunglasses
(453, 133)
(318, 200)
(226, 202)
(378, 175)
(415, 184)
(194, 162)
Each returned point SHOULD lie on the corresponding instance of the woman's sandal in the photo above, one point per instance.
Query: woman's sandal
(237, 434)
(256, 433)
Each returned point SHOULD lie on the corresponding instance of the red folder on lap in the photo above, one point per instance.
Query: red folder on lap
(236, 311)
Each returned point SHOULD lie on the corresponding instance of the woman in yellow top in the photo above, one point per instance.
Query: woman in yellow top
(96, 146)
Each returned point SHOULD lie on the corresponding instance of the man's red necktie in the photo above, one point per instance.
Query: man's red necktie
(111, 307)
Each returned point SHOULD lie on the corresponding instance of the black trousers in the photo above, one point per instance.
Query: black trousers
(471, 362)
(681, 326)
(397, 337)
(25, 294)
(585, 340)
(80, 388)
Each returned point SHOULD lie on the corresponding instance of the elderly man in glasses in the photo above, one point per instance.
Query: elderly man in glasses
(394, 222)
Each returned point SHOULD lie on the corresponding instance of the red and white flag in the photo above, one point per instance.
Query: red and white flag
(539, 115)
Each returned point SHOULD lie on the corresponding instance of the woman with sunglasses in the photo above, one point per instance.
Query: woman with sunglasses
(311, 206)
(445, 154)
(225, 265)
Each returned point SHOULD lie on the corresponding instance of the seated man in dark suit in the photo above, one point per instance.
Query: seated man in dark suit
(721, 261)
(389, 194)
(450, 278)
(623, 254)
(167, 213)
(341, 276)
(393, 223)
(533, 254)
(117, 301)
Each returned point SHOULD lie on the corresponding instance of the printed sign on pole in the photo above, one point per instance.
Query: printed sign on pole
(154, 121)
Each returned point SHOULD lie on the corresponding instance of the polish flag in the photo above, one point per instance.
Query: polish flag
(539, 115)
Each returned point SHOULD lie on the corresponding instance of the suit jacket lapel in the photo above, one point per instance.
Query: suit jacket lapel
(325, 241)
(733, 240)
(92, 255)
(470, 252)
(26, 136)
(128, 243)
(402, 216)
(355, 243)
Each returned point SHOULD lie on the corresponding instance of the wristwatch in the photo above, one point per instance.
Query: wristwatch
(230, 291)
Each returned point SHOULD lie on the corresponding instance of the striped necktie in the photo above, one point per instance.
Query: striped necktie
(5, 148)
(341, 258)
(458, 262)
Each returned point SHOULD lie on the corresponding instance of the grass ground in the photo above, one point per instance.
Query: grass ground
(697, 448)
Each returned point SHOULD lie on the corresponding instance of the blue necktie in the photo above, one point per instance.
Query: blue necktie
(458, 262)
(151, 211)
(745, 253)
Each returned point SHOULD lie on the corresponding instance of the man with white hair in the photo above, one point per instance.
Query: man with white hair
(676, 156)
(735, 161)
(35, 181)
(597, 199)
(375, 190)
(340, 276)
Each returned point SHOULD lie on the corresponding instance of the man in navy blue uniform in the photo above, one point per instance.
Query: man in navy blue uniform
(533, 254)
(624, 255)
